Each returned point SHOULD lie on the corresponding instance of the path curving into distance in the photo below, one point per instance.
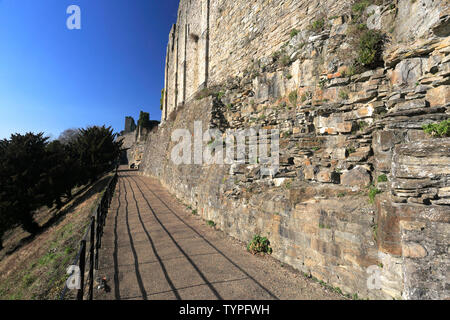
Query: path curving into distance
(153, 248)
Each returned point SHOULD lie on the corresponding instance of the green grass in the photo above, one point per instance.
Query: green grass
(326, 285)
(28, 280)
(294, 32)
(382, 178)
(211, 223)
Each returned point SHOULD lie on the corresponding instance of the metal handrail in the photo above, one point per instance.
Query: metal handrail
(95, 233)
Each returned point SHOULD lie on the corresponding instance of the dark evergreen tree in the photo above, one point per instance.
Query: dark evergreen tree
(61, 173)
(23, 186)
(98, 150)
(34, 173)
(6, 219)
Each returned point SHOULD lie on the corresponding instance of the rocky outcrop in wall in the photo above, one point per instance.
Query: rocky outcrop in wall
(362, 195)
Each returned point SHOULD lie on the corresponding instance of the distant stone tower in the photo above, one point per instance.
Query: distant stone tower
(130, 125)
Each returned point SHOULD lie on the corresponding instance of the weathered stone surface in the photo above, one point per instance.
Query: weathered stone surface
(408, 72)
(439, 96)
(413, 250)
(416, 18)
(340, 132)
(357, 177)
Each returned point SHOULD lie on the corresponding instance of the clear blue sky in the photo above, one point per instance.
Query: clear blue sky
(52, 78)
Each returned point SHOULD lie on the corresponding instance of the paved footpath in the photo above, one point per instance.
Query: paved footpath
(154, 248)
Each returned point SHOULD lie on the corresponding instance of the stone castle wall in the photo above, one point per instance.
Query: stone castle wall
(213, 40)
(345, 133)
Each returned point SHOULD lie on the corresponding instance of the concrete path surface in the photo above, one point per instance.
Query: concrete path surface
(154, 248)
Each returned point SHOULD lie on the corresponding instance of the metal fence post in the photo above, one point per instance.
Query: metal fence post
(98, 221)
(91, 259)
(97, 231)
(82, 268)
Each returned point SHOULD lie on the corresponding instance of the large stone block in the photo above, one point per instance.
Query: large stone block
(408, 72)
(357, 177)
(413, 250)
(439, 96)
(388, 227)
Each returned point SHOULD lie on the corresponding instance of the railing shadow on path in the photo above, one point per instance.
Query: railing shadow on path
(273, 296)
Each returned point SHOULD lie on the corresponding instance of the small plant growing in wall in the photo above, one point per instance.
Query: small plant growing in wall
(439, 130)
(322, 83)
(373, 191)
(362, 125)
(293, 98)
(306, 96)
(382, 178)
(359, 7)
(369, 50)
(350, 150)
(285, 60)
(288, 185)
(286, 134)
(350, 71)
(205, 92)
(211, 223)
(161, 101)
(375, 232)
(220, 95)
(282, 105)
(259, 245)
(343, 94)
(294, 32)
(317, 25)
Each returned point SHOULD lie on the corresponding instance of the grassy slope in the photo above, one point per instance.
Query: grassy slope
(37, 270)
